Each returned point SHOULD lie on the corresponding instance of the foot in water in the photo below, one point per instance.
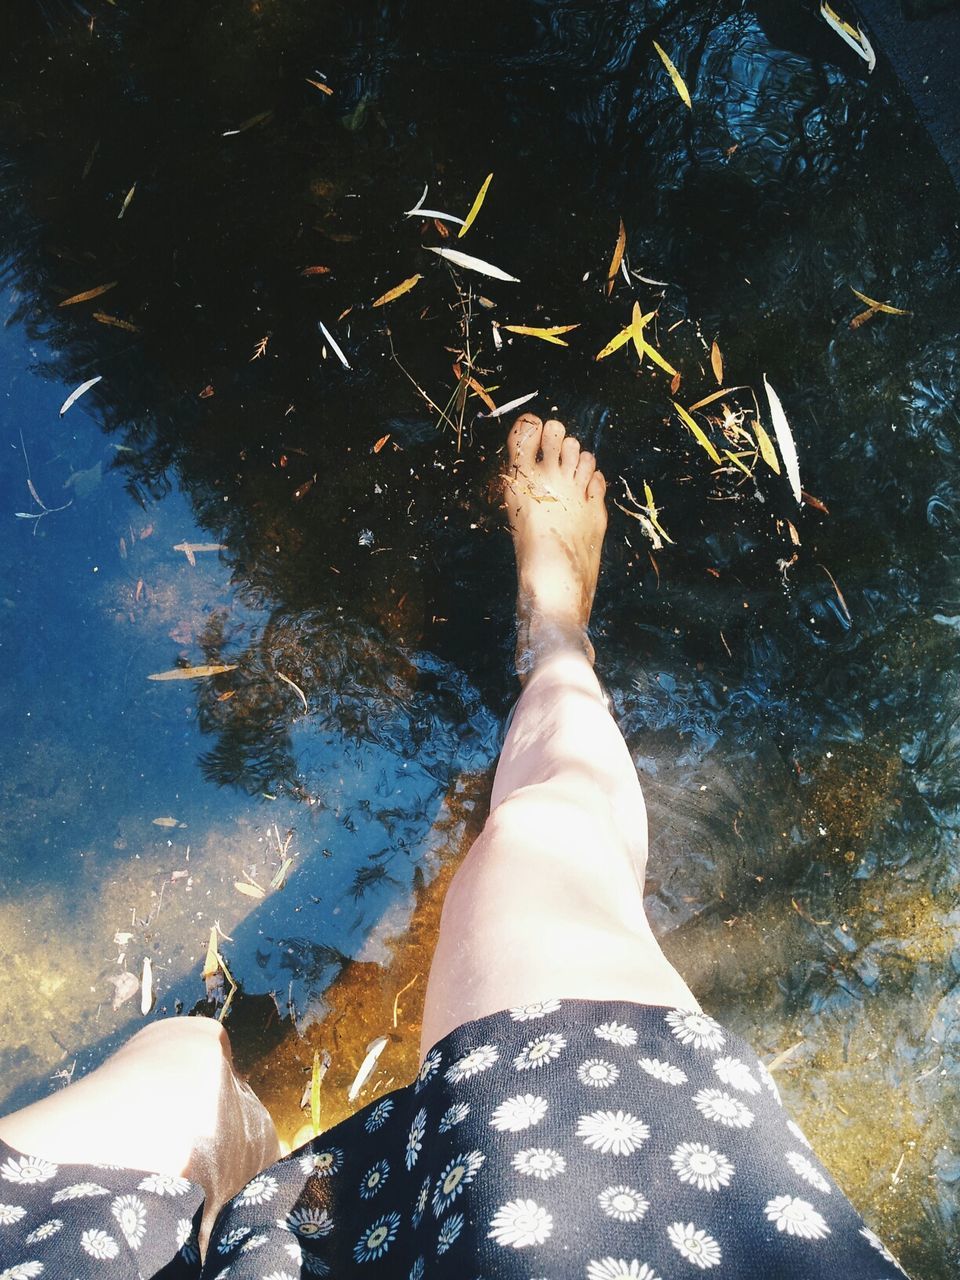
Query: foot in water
(555, 500)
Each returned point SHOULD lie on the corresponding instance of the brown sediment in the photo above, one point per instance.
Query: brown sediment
(852, 792)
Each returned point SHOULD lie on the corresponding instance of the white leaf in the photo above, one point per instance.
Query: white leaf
(781, 427)
(335, 346)
(74, 396)
(146, 987)
(374, 1050)
(511, 404)
(418, 211)
(471, 264)
(858, 43)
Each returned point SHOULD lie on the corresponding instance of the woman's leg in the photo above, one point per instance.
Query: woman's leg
(549, 900)
(167, 1102)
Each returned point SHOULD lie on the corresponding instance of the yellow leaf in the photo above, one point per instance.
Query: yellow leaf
(251, 890)
(674, 74)
(318, 84)
(546, 335)
(767, 451)
(115, 322)
(617, 257)
(475, 207)
(737, 463)
(88, 294)
(698, 433)
(724, 391)
(398, 291)
(193, 673)
(716, 364)
(615, 343)
(643, 347)
(871, 302)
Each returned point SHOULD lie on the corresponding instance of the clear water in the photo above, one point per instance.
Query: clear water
(800, 765)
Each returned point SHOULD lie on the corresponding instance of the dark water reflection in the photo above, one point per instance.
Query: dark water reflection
(801, 765)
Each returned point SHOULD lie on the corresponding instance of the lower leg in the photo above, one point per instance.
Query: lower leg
(167, 1102)
(549, 900)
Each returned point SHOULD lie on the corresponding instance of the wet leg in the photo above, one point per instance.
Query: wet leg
(549, 900)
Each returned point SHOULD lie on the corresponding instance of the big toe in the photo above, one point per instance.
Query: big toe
(523, 442)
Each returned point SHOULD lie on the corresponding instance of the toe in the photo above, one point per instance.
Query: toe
(597, 486)
(523, 442)
(551, 440)
(569, 454)
(586, 466)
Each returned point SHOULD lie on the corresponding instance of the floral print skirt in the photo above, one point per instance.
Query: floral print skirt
(568, 1140)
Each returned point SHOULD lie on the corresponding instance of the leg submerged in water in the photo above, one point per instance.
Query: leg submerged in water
(549, 900)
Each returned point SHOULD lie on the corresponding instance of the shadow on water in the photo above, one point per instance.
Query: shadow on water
(785, 675)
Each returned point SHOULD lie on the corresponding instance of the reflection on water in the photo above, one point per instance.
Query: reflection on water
(799, 749)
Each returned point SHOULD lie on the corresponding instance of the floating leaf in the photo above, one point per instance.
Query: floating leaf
(381, 442)
(853, 36)
(146, 987)
(546, 335)
(781, 429)
(318, 84)
(767, 451)
(617, 257)
(637, 325)
(334, 345)
(418, 211)
(475, 207)
(615, 343)
(511, 404)
(74, 396)
(843, 603)
(165, 822)
(250, 890)
(398, 291)
(715, 395)
(735, 459)
(194, 673)
(716, 363)
(674, 74)
(88, 294)
(115, 322)
(248, 124)
(698, 433)
(126, 202)
(315, 271)
(465, 261)
(872, 303)
(374, 1050)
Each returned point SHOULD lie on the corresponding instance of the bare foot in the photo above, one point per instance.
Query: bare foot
(555, 503)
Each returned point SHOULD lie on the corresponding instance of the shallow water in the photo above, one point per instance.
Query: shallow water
(800, 765)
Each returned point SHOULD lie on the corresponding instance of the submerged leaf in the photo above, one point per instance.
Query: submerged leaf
(617, 257)
(250, 890)
(468, 263)
(716, 363)
(511, 404)
(781, 429)
(374, 1050)
(398, 291)
(475, 207)
(674, 74)
(853, 36)
(74, 396)
(194, 673)
(698, 432)
(88, 294)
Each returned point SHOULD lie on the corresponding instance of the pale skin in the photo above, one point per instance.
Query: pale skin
(548, 901)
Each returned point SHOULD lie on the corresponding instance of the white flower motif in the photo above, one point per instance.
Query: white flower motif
(45, 1231)
(259, 1190)
(619, 1269)
(416, 1271)
(98, 1244)
(696, 1246)
(472, 1063)
(187, 1242)
(78, 1190)
(294, 1252)
(796, 1217)
(764, 1073)
(520, 1223)
(537, 1053)
(28, 1169)
(520, 1112)
(378, 1116)
(374, 1179)
(736, 1074)
(697, 1029)
(279, 1275)
(322, 1164)
(131, 1215)
(694, 1162)
(164, 1184)
(430, 1067)
(666, 1072)
(11, 1213)
(22, 1271)
(540, 1162)
(598, 1073)
(616, 1033)
(799, 1134)
(309, 1224)
(254, 1242)
(377, 1238)
(453, 1116)
(719, 1106)
(538, 1009)
(230, 1239)
(617, 1132)
(454, 1177)
(415, 1138)
(626, 1204)
(312, 1265)
(872, 1238)
(423, 1198)
(807, 1170)
(448, 1232)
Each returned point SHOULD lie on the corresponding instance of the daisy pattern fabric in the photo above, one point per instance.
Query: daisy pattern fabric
(574, 1140)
